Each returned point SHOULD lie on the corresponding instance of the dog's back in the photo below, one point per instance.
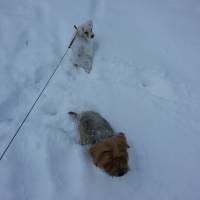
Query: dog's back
(92, 126)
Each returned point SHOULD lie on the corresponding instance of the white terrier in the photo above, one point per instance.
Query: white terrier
(83, 47)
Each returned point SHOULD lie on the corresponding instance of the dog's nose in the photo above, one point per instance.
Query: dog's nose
(121, 173)
(92, 35)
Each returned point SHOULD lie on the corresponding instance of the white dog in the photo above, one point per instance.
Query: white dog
(82, 47)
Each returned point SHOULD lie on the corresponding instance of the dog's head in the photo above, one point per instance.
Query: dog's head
(85, 30)
(111, 155)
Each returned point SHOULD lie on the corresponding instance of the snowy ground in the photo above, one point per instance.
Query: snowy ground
(145, 81)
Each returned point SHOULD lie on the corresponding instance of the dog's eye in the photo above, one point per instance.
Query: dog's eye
(86, 32)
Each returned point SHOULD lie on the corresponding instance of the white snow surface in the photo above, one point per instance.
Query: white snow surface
(145, 82)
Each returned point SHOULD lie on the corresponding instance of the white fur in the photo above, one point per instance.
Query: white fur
(82, 47)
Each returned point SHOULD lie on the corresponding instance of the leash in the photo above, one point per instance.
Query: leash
(73, 37)
(40, 94)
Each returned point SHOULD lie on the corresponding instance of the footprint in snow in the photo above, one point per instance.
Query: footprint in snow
(157, 84)
(97, 8)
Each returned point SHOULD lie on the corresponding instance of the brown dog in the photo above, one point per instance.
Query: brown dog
(111, 155)
(107, 149)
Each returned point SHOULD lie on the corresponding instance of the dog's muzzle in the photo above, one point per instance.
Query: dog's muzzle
(122, 172)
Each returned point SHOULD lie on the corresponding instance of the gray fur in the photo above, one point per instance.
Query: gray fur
(92, 127)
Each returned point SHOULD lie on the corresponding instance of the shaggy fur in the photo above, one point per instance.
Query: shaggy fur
(107, 149)
(111, 155)
(82, 47)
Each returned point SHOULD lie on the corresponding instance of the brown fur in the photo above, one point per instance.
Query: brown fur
(111, 155)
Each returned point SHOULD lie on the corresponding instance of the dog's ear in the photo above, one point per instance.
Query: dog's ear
(97, 151)
(80, 30)
(90, 23)
(92, 150)
(122, 135)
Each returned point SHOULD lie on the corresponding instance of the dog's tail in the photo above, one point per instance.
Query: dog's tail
(73, 114)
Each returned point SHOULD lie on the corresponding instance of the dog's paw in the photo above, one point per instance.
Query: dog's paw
(88, 70)
(87, 67)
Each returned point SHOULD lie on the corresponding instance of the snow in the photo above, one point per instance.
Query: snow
(144, 81)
